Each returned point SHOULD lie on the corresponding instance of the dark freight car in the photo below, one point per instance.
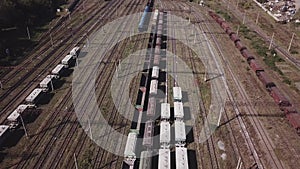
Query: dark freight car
(279, 99)
(267, 82)
(255, 66)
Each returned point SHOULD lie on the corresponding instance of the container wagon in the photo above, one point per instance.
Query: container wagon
(151, 107)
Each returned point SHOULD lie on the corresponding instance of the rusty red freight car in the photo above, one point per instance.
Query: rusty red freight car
(239, 45)
(228, 31)
(267, 82)
(289, 109)
(212, 14)
(279, 99)
(255, 66)
(219, 20)
(234, 37)
(224, 25)
(294, 120)
(246, 54)
(158, 41)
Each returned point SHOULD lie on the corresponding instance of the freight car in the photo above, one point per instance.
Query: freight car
(239, 45)
(234, 37)
(155, 16)
(143, 24)
(57, 71)
(47, 83)
(290, 109)
(151, 107)
(34, 96)
(158, 41)
(294, 120)
(224, 25)
(67, 61)
(4, 133)
(246, 54)
(256, 67)
(75, 52)
(220, 20)
(267, 82)
(155, 72)
(159, 30)
(156, 59)
(279, 99)
(148, 133)
(157, 50)
(229, 31)
(153, 87)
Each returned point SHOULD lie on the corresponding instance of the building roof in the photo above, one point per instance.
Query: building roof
(57, 69)
(3, 129)
(33, 95)
(165, 134)
(177, 95)
(178, 110)
(164, 159)
(165, 110)
(130, 145)
(145, 160)
(181, 158)
(66, 60)
(180, 134)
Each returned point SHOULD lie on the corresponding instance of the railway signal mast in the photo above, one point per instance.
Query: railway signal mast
(290, 45)
(23, 124)
(271, 41)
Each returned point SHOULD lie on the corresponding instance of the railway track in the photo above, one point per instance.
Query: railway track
(50, 61)
(181, 9)
(270, 139)
(52, 119)
(85, 137)
(260, 130)
(69, 110)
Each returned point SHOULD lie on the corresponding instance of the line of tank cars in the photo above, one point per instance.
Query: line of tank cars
(47, 84)
(284, 104)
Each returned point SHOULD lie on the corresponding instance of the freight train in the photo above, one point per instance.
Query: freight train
(284, 104)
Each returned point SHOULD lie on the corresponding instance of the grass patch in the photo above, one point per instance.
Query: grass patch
(225, 15)
(86, 162)
(286, 80)
(246, 4)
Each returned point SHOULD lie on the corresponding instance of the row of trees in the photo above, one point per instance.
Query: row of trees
(26, 12)
(15, 17)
